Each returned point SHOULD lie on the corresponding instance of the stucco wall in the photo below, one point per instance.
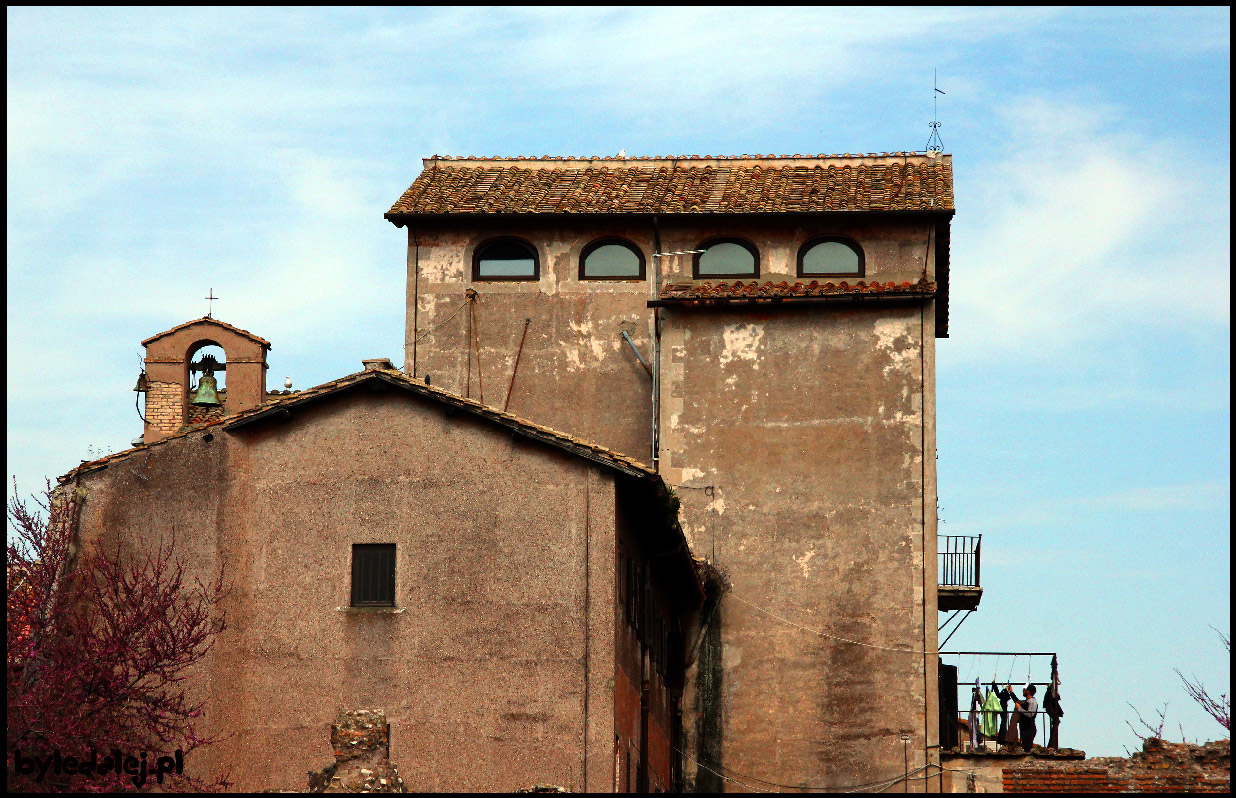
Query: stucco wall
(802, 440)
(497, 639)
(798, 437)
(576, 373)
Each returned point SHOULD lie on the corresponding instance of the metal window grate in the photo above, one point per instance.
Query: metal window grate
(373, 574)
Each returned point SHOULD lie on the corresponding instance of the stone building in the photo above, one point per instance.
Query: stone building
(763, 330)
(517, 600)
(759, 330)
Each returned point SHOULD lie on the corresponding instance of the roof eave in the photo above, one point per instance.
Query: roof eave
(916, 296)
(283, 408)
(402, 218)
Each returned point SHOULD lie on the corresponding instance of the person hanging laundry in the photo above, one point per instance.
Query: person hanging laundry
(1051, 706)
(1025, 713)
(990, 725)
(975, 699)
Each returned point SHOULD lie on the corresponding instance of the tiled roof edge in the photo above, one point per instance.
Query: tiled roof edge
(577, 446)
(246, 333)
(458, 159)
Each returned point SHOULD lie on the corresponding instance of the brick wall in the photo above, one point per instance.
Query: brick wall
(163, 409)
(1159, 767)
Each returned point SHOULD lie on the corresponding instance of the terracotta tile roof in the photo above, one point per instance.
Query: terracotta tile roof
(754, 290)
(245, 333)
(278, 404)
(690, 184)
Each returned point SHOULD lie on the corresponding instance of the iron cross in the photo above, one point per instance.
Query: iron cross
(210, 308)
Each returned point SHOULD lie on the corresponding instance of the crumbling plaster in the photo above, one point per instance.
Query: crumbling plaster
(575, 371)
(804, 481)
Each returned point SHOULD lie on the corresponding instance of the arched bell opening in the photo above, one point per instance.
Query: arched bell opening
(205, 381)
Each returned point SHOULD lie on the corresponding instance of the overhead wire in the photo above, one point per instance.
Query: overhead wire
(821, 633)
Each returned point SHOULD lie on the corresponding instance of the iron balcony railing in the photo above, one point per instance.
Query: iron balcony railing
(959, 560)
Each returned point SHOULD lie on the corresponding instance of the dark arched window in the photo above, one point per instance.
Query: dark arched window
(831, 256)
(727, 257)
(611, 259)
(505, 259)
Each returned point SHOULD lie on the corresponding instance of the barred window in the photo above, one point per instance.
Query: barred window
(373, 574)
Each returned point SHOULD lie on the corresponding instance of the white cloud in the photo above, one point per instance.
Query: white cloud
(1082, 230)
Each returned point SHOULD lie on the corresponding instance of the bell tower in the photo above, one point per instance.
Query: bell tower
(175, 357)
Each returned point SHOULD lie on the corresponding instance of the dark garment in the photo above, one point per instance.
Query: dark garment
(1010, 733)
(1051, 705)
(1028, 730)
(973, 720)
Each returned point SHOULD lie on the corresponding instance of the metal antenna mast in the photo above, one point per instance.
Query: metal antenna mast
(933, 141)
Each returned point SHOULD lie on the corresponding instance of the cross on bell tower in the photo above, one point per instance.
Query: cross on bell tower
(210, 295)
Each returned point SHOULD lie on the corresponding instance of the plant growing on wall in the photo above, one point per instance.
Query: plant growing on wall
(99, 645)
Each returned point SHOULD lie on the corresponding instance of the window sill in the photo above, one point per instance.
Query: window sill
(372, 610)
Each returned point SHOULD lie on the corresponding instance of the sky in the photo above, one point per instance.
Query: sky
(1083, 393)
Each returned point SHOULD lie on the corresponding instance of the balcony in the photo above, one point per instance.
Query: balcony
(958, 572)
(958, 670)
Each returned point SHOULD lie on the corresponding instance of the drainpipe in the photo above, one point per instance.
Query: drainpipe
(656, 347)
(416, 292)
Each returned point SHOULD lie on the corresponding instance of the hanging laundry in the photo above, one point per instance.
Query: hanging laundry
(1010, 734)
(990, 725)
(1051, 706)
(975, 699)
(1004, 715)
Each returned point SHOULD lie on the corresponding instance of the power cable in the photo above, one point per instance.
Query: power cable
(826, 634)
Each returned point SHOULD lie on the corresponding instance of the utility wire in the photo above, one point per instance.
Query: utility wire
(826, 634)
(428, 330)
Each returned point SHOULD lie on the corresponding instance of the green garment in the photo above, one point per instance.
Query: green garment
(990, 724)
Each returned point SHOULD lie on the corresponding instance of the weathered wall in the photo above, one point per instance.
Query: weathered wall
(576, 373)
(495, 669)
(648, 648)
(803, 442)
(798, 437)
(983, 771)
(1159, 767)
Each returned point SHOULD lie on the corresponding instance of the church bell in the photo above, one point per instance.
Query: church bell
(207, 393)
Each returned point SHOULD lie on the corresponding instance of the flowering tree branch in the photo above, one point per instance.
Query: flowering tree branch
(101, 643)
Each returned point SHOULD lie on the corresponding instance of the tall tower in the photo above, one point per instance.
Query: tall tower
(786, 309)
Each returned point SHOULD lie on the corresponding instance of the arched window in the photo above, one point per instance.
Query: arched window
(505, 259)
(831, 256)
(727, 257)
(611, 259)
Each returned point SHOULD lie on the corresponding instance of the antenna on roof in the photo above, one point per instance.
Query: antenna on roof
(933, 141)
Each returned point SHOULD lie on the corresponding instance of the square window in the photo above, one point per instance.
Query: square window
(373, 574)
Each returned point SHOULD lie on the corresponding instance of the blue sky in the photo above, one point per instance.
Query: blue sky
(1084, 405)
